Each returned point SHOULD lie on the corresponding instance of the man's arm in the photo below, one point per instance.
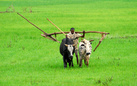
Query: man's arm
(79, 35)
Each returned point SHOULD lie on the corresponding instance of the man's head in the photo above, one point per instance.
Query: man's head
(72, 30)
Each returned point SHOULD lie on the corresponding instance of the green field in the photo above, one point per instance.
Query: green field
(28, 59)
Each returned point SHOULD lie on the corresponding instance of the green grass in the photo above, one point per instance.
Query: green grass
(27, 59)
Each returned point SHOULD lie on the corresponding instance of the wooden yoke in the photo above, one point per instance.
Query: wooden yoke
(49, 36)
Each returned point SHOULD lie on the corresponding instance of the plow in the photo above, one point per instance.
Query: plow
(50, 35)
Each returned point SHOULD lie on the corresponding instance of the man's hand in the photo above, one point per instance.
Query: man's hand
(83, 33)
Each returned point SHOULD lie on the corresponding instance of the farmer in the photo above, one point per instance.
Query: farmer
(75, 36)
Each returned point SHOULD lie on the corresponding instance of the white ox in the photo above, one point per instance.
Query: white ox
(84, 51)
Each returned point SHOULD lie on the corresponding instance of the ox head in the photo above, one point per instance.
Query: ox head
(87, 46)
(70, 50)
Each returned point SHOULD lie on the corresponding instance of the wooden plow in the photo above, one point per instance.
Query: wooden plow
(49, 36)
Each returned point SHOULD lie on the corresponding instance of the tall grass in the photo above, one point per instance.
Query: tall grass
(26, 58)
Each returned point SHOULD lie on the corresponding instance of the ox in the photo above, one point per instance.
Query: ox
(67, 50)
(84, 51)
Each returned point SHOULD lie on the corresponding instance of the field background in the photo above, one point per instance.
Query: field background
(27, 59)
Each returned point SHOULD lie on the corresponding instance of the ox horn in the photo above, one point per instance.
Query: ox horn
(66, 45)
(91, 40)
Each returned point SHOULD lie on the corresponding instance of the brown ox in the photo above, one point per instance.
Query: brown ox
(84, 51)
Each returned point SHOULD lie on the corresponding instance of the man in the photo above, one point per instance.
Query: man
(75, 36)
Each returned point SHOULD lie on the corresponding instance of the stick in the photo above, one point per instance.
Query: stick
(50, 37)
(103, 36)
(13, 8)
(80, 32)
(45, 34)
(32, 23)
(56, 26)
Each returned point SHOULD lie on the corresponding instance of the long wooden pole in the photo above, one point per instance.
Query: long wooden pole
(79, 32)
(45, 34)
(56, 26)
(32, 23)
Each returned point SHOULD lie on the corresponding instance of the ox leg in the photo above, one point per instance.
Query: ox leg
(76, 56)
(71, 64)
(80, 62)
(65, 62)
(86, 62)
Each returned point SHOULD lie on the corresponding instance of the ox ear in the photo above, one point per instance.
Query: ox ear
(66, 45)
(91, 40)
(83, 41)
